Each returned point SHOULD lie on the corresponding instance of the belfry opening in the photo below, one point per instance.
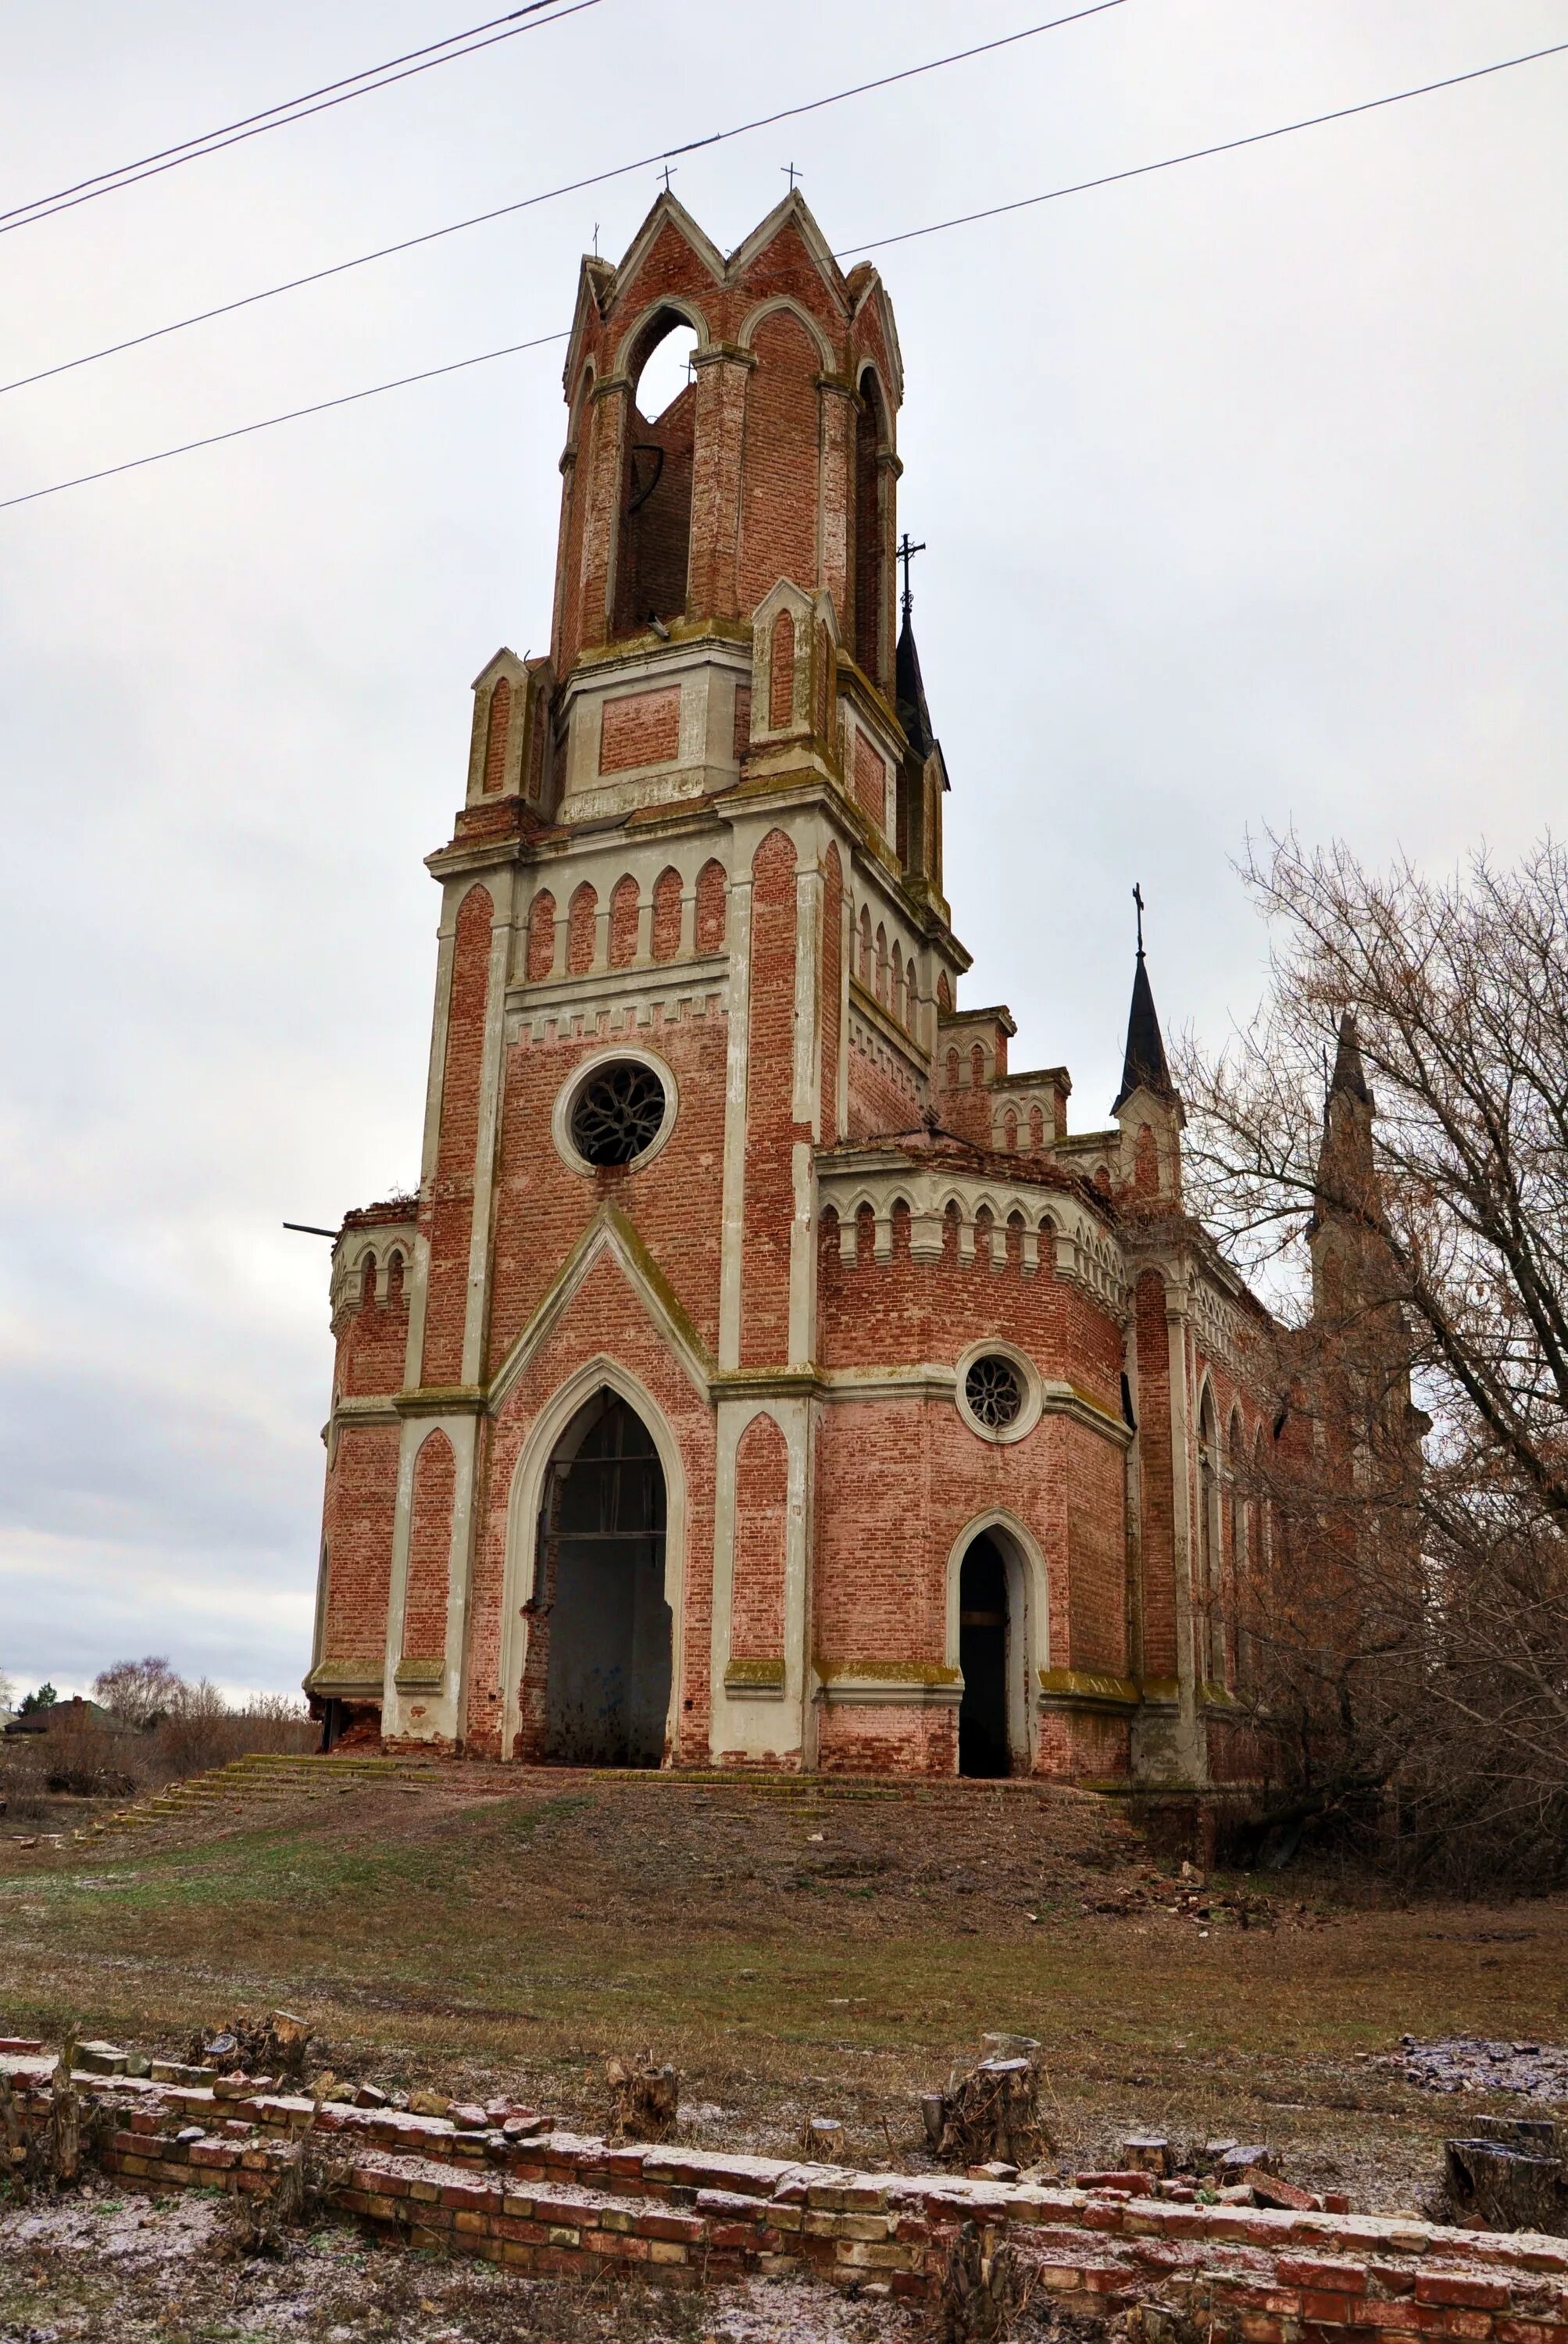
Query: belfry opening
(983, 1639)
(599, 1592)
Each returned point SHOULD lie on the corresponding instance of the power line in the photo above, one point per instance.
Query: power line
(295, 414)
(936, 228)
(1197, 154)
(214, 142)
(550, 195)
(284, 105)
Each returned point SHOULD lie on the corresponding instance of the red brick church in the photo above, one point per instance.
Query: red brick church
(764, 1373)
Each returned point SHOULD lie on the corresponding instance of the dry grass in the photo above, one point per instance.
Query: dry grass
(818, 1956)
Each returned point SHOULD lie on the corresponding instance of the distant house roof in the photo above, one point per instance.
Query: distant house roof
(62, 1715)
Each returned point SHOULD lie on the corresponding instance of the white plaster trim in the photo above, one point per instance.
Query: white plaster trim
(602, 1236)
(566, 1099)
(1029, 1416)
(1028, 1619)
(876, 1693)
(600, 1373)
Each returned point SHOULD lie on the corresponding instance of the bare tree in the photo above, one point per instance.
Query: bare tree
(1417, 1229)
(139, 1693)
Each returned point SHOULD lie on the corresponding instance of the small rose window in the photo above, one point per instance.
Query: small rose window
(994, 1391)
(618, 1114)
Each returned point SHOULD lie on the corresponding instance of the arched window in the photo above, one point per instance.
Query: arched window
(1010, 1130)
(667, 892)
(896, 998)
(656, 535)
(1037, 1128)
(984, 1233)
(367, 1281)
(623, 923)
(865, 954)
(781, 674)
(900, 1219)
(395, 1281)
(1016, 1239)
(871, 437)
(712, 888)
(582, 918)
(495, 735)
(540, 937)
(882, 963)
(977, 1067)
(944, 993)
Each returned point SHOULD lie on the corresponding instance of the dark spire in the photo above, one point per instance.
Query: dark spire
(1143, 1066)
(909, 693)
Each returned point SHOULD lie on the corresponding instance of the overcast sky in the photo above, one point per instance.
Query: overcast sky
(1243, 490)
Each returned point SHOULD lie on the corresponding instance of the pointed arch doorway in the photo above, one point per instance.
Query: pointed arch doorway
(600, 1591)
(984, 1625)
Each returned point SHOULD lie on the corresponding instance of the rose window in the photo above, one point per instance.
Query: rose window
(994, 1392)
(618, 1114)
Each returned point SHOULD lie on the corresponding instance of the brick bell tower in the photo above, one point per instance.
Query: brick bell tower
(570, 1476)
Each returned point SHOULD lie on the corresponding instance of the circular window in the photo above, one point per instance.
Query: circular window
(997, 1391)
(615, 1112)
(618, 1114)
(994, 1392)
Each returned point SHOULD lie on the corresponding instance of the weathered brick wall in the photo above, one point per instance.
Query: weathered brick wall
(448, 1210)
(779, 470)
(770, 1128)
(356, 1531)
(497, 720)
(667, 915)
(373, 1338)
(582, 929)
(878, 1101)
(1157, 1497)
(623, 908)
(643, 729)
(542, 1206)
(559, 2202)
(712, 890)
(762, 1508)
(430, 1548)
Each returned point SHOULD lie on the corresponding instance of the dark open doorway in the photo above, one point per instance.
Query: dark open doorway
(602, 1555)
(982, 1658)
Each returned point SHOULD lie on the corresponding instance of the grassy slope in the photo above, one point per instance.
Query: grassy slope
(469, 1939)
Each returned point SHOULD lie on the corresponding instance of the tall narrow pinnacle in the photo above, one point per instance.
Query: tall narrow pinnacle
(1349, 1075)
(1143, 1064)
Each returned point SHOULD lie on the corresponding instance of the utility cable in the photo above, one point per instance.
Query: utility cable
(214, 142)
(1198, 154)
(936, 228)
(549, 195)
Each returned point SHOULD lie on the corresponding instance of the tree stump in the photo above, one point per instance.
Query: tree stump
(644, 2100)
(1492, 2185)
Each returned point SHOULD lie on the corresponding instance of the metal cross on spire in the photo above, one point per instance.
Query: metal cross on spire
(1138, 899)
(668, 176)
(794, 173)
(906, 553)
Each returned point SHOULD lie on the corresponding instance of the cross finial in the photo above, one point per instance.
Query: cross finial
(906, 553)
(794, 173)
(596, 239)
(1138, 899)
(669, 174)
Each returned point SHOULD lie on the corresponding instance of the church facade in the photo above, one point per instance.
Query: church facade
(765, 1374)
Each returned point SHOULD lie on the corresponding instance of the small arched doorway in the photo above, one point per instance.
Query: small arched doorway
(599, 1592)
(984, 1640)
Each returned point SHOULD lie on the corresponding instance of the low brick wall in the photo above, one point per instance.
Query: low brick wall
(559, 2202)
